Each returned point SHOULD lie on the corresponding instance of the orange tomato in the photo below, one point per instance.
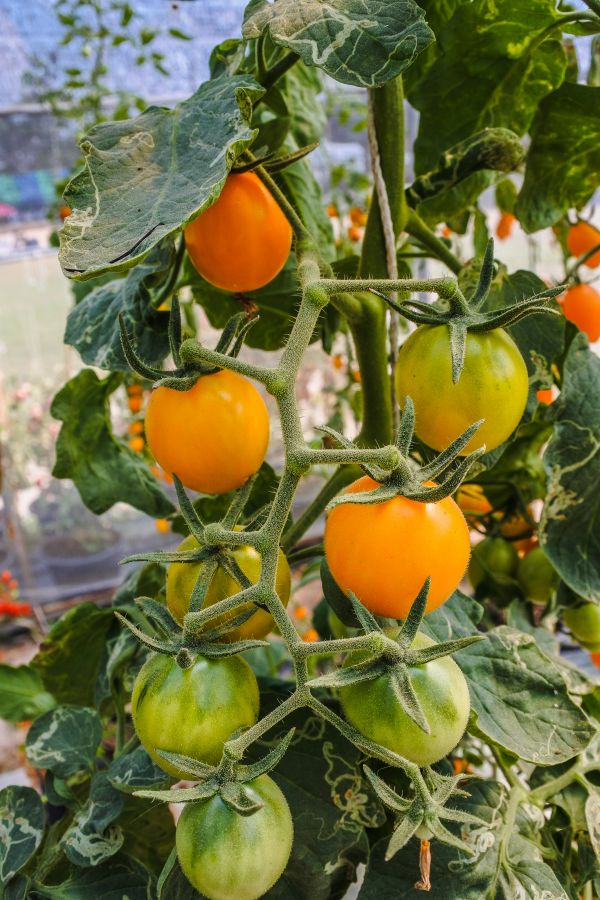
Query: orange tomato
(446, 232)
(214, 436)
(137, 444)
(162, 526)
(472, 501)
(64, 212)
(134, 404)
(505, 225)
(383, 552)
(358, 217)
(338, 361)
(332, 210)
(354, 233)
(135, 428)
(301, 612)
(581, 305)
(311, 636)
(545, 396)
(581, 238)
(134, 390)
(356, 376)
(243, 240)
(595, 657)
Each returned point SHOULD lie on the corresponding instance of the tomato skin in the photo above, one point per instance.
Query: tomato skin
(581, 305)
(243, 240)
(493, 559)
(581, 238)
(383, 552)
(442, 691)
(473, 502)
(584, 623)
(181, 578)
(493, 386)
(227, 856)
(192, 711)
(214, 436)
(537, 576)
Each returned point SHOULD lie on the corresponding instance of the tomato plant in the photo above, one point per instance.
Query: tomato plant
(441, 350)
(583, 238)
(226, 855)
(192, 711)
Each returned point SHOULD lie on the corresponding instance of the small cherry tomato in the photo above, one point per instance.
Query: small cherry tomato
(182, 577)
(441, 689)
(243, 240)
(473, 502)
(134, 403)
(581, 305)
(493, 386)
(64, 212)
(584, 624)
(162, 526)
(383, 552)
(536, 576)
(358, 217)
(137, 444)
(493, 561)
(581, 238)
(310, 636)
(545, 396)
(354, 233)
(135, 428)
(505, 225)
(192, 711)
(213, 436)
(332, 211)
(228, 856)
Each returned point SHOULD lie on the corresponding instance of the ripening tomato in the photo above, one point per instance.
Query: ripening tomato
(181, 578)
(214, 436)
(228, 856)
(545, 396)
(192, 711)
(596, 658)
(243, 240)
(537, 576)
(493, 386)
(581, 238)
(441, 689)
(494, 560)
(383, 552)
(581, 305)
(584, 624)
(472, 501)
(137, 443)
(505, 225)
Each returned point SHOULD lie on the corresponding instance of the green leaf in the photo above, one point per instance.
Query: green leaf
(301, 89)
(22, 824)
(565, 137)
(146, 581)
(304, 192)
(93, 325)
(105, 471)
(144, 178)
(134, 771)
(502, 858)
(149, 832)
(67, 672)
(569, 527)
(277, 304)
(172, 884)
(360, 42)
(119, 878)
(91, 837)
(492, 71)
(22, 694)
(329, 797)
(521, 700)
(64, 740)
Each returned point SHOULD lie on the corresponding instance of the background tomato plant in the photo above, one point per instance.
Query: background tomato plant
(530, 815)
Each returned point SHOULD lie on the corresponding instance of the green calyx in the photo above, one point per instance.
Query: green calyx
(163, 634)
(418, 813)
(273, 162)
(461, 314)
(407, 478)
(187, 372)
(228, 779)
(393, 658)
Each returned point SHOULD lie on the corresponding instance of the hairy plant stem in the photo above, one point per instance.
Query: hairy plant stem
(417, 228)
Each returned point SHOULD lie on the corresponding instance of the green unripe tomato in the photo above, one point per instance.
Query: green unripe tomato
(493, 386)
(227, 856)
(441, 688)
(192, 711)
(493, 560)
(584, 623)
(181, 578)
(537, 576)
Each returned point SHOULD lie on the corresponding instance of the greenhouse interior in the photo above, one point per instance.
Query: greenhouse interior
(299, 449)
